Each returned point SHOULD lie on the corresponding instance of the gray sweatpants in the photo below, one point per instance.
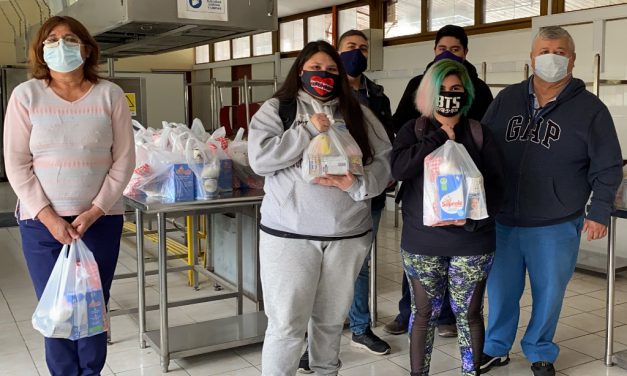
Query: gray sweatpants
(307, 282)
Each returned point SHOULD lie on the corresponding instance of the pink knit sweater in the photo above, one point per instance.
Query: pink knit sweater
(68, 155)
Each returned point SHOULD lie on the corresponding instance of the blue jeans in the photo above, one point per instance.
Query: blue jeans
(359, 313)
(549, 255)
(86, 356)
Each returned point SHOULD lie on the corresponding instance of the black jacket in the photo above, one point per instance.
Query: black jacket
(379, 104)
(554, 161)
(406, 109)
(408, 154)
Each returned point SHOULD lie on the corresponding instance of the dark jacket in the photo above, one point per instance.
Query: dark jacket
(553, 161)
(408, 154)
(406, 109)
(379, 104)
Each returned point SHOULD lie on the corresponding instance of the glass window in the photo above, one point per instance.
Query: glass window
(585, 4)
(503, 10)
(451, 12)
(262, 44)
(241, 47)
(320, 28)
(222, 50)
(291, 34)
(402, 18)
(202, 54)
(354, 18)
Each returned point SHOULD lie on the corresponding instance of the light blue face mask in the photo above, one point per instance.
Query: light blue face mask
(63, 58)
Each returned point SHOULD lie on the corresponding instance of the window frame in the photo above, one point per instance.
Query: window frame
(378, 10)
(479, 27)
(213, 51)
(272, 43)
(250, 50)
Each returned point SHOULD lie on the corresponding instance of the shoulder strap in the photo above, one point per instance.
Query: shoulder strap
(477, 133)
(287, 112)
(420, 126)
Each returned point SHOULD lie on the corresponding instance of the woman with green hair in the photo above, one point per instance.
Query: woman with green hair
(453, 253)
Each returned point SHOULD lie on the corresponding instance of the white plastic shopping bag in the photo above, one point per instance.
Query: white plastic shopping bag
(334, 152)
(453, 186)
(72, 305)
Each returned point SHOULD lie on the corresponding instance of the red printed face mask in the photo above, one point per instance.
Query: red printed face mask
(320, 84)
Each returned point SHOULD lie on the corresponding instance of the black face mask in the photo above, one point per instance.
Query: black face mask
(321, 84)
(450, 103)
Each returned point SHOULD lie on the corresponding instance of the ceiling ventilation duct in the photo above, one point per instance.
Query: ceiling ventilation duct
(139, 27)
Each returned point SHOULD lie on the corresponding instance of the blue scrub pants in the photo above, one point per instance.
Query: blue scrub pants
(86, 356)
(549, 255)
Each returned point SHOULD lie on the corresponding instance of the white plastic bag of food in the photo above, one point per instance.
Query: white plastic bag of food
(453, 186)
(333, 152)
(72, 305)
(205, 164)
(243, 175)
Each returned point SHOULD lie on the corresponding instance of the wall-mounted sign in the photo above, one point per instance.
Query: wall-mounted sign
(211, 10)
(132, 103)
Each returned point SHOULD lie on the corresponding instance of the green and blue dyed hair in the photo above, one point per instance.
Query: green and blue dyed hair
(428, 92)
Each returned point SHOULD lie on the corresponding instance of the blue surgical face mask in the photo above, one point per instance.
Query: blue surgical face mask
(63, 58)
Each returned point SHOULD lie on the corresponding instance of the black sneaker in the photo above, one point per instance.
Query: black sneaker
(370, 342)
(303, 364)
(488, 361)
(543, 369)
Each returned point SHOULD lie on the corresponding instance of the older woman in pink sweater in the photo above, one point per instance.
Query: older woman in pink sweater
(69, 153)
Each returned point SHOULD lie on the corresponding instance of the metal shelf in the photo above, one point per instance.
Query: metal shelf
(213, 335)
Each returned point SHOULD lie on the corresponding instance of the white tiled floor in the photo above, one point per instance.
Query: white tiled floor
(580, 333)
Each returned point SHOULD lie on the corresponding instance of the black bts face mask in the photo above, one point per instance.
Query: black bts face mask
(450, 103)
(321, 84)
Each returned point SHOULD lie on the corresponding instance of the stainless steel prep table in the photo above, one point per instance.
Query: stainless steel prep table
(214, 335)
(621, 357)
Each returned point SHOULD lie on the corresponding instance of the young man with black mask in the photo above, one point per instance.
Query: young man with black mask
(451, 42)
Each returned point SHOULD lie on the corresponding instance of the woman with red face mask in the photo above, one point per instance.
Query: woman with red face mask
(314, 235)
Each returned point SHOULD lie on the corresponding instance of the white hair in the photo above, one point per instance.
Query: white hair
(555, 32)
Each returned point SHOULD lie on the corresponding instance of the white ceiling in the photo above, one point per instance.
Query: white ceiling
(290, 7)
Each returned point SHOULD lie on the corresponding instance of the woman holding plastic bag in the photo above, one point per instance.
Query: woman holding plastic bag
(69, 153)
(314, 234)
(451, 250)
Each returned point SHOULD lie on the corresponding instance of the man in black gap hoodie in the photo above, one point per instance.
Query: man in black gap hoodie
(451, 42)
(559, 144)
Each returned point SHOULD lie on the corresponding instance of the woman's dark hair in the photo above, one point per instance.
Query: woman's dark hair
(38, 66)
(349, 106)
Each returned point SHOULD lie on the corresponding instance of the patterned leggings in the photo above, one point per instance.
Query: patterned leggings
(466, 278)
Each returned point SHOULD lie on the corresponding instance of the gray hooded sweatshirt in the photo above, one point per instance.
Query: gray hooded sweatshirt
(293, 206)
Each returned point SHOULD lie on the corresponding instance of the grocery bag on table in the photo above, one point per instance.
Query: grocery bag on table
(72, 305)
(243, 174)
(453, 186)
(204, 162)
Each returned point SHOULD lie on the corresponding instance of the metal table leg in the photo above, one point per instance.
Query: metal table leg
(239, 261)
(609, 309)
(163, 292)
(373, 283)
(194, 225)
(141, 276)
